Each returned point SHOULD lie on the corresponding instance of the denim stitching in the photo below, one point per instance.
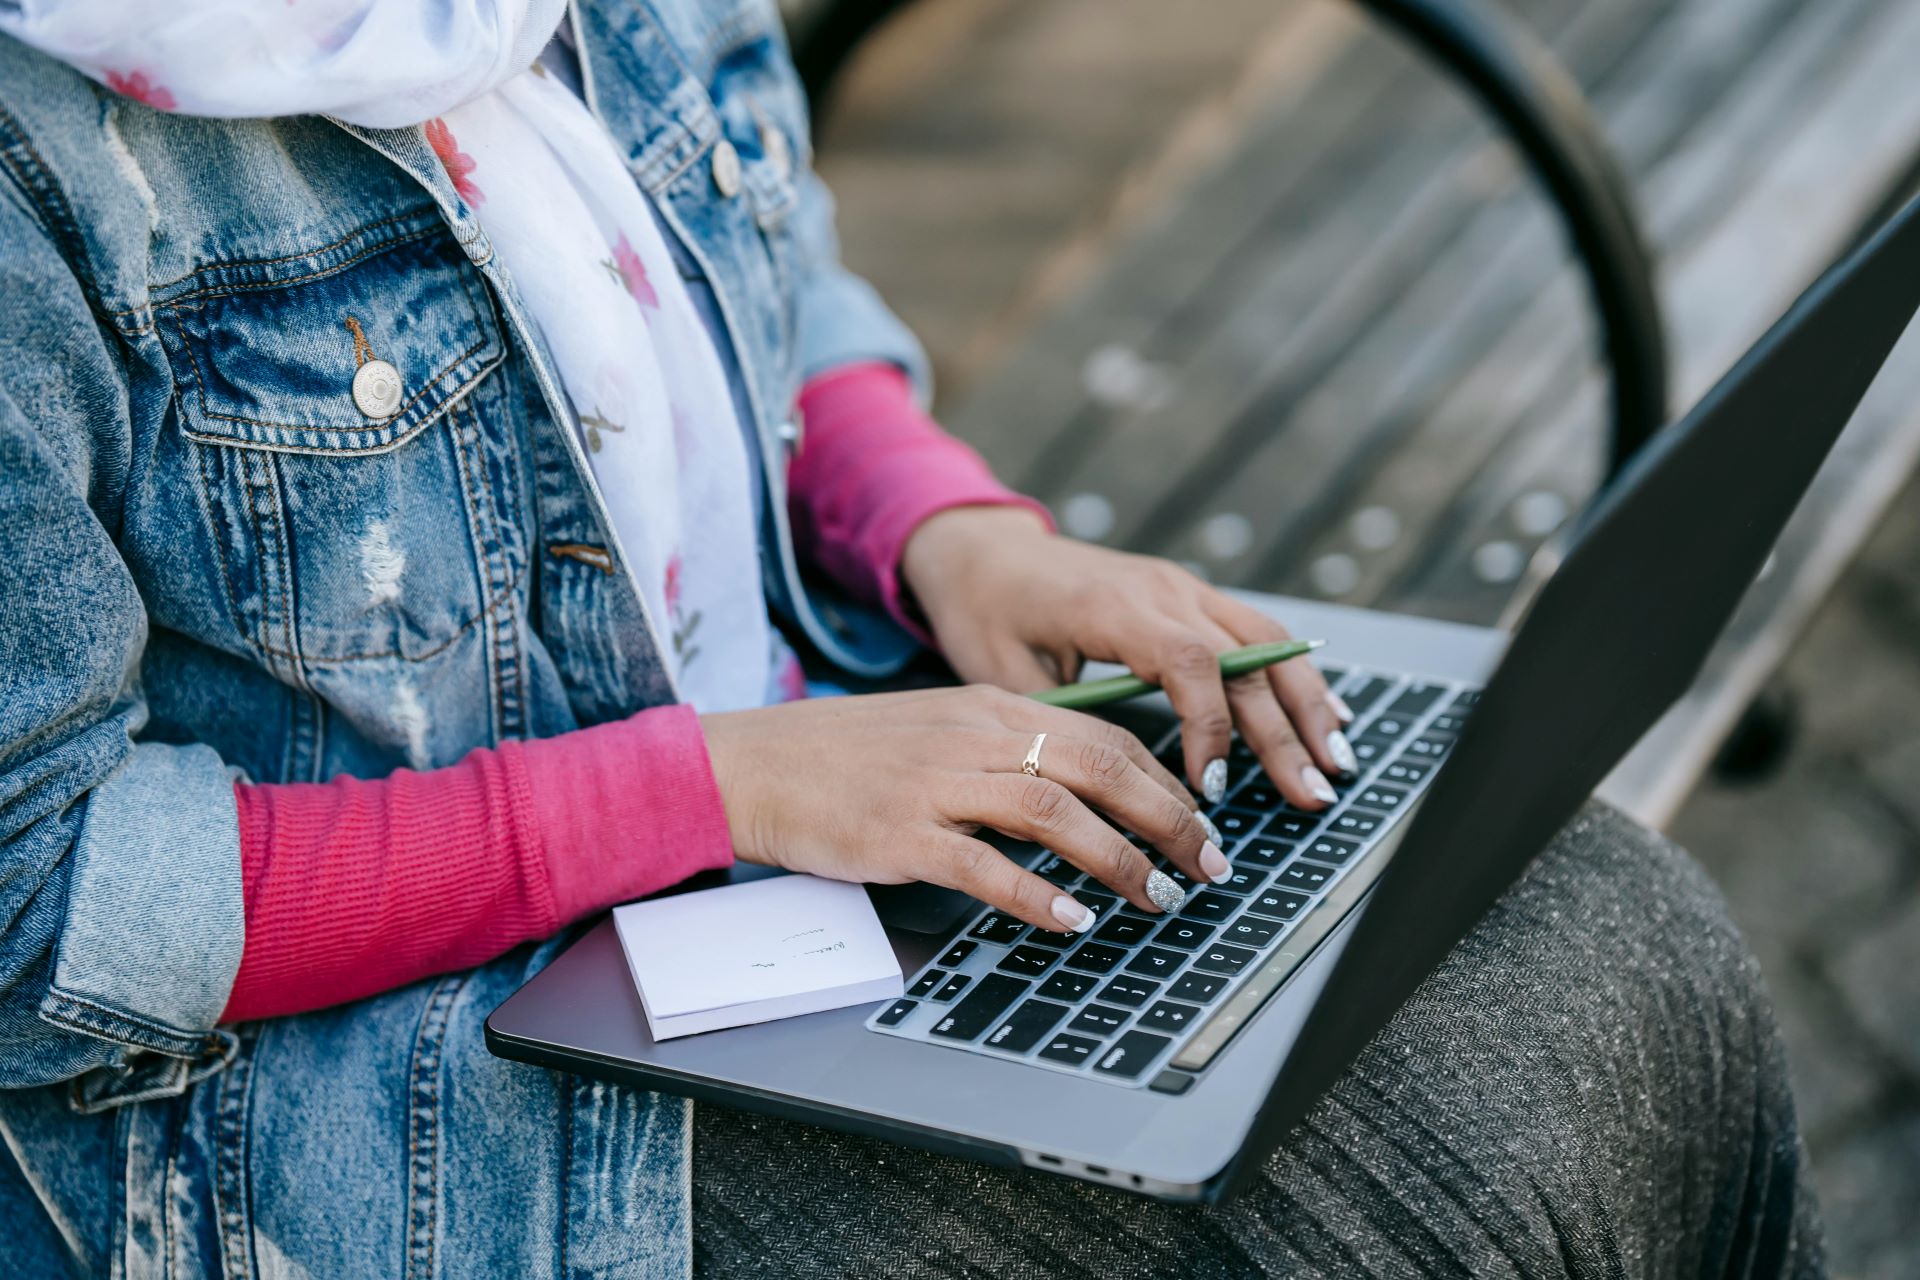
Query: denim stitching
(209, 485)
(423, 1126)
(96, 1018)
(242, 264)
(233, 1123)
(480, 534)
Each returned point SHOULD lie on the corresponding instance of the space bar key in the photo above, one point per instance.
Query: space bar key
(983, 1005)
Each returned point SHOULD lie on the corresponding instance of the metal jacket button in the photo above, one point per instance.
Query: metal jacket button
(726, 168)
(376, 389)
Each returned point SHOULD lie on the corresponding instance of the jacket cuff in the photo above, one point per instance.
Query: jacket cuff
(160, 849)
(625, 809)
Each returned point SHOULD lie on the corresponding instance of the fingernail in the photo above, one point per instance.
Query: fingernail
(1342, 752)
(1213, 781)
(1166, 895)
(1317, 783)
(1206, 824)
(1072, 913)
(1214, 864)
(1340, 708)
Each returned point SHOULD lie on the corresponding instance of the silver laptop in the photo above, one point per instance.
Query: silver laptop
(1169, 1055)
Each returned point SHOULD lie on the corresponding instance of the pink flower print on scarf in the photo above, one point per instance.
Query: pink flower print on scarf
(458, 164)
(684, 649)
(136, 85)
(630, 273)
(793, 680)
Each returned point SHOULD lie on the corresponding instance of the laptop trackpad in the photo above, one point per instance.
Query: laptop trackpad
(928, 908)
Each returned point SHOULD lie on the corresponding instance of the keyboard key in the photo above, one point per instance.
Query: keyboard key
(896, 1011)
(1263, 852)
(1169, 1017)
(1361, 697)
(1428, 748)
(1057, 869)
(1280, 903)
(1389, 726)
(1307, 877)
(1234, 823)
(1356, 824)
(1131, 1053)
(1210, 907)
(1198, 988)
(1446, 722)
(1099, 902)
(998, 928)
(1099, 1020)
(1415, 699)
(1467, 701)
(957, 954)
(1124, 930)
(1239, 755)
(1292, 826)
(1072, 1050)
(1049, 939)
(1382, 797)
(1067, 986)
(1096, 957)
(1368, 749)
(1406, 772)
(1184, 934)
(978, 1011)
(1331, 849)
(1251, 931)
(928, 981)
(1259, 795)
(1245, 880)
(1028, 962)
(1331, 675)
(1128, 992)
(1155, 962)
(1224, 958)
(1028, 1024)
(955, 985)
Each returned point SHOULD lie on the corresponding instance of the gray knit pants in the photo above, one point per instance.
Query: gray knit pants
(1591, 1085)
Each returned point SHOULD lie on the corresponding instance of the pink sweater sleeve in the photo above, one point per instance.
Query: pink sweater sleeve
(353, 887)
(871, 466)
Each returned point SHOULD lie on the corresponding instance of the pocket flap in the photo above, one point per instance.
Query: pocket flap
(265, 354)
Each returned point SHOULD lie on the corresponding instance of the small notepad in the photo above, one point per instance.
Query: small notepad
(755, 951)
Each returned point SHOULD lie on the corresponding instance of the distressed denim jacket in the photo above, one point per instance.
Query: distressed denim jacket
(189, 498)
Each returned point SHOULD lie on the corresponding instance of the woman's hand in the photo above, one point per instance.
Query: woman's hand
(889, 788)
(1014, 605)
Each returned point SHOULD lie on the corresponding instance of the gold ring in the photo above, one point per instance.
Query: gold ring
(1031, 765)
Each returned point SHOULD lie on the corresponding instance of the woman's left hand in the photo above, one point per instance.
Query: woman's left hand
(1015, 605)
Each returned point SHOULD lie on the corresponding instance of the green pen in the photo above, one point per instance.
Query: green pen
(1234, 662)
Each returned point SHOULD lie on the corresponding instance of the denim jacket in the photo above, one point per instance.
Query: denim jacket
(198, 539)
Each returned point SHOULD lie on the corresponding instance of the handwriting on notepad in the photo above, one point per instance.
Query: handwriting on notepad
(839, 945)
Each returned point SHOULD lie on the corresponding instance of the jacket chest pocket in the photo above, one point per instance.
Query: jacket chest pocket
(364, 498)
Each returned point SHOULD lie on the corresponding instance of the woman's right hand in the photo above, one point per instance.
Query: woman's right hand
(889, 788)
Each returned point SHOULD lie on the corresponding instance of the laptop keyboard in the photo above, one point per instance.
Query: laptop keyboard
(1150, 999)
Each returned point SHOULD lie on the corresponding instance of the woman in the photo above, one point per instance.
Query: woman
(415, 419)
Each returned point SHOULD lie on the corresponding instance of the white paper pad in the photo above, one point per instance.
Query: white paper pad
(755, 951)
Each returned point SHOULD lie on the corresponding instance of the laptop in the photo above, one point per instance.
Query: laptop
(1170, 1055)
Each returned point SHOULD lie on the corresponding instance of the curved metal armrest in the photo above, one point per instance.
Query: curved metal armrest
(1521, 83)
(1525, 88)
